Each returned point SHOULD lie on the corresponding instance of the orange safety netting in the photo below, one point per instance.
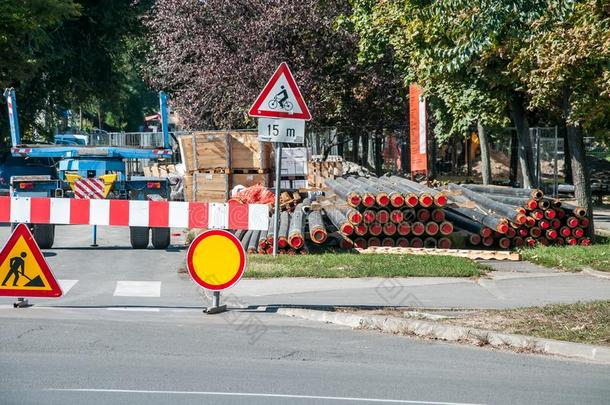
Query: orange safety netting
(257, 194)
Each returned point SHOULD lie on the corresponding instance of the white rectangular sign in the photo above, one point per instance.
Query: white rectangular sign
(284, 130)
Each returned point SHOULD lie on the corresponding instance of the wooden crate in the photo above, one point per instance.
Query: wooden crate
(250, 179)
(206, 187)
(223, 151)
(317, 172)
(247, 152)
(205, 150)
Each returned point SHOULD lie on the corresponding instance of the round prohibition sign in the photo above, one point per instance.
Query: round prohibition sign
(216, 260)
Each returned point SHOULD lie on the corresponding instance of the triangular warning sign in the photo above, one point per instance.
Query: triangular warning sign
(23, 270)
(281, 98)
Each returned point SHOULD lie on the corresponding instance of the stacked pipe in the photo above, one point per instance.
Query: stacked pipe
(389, 211)
(505, 217)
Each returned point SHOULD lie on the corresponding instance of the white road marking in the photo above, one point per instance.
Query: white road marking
(138, 289)
(255, 394)
(136, 309)
(66, 285)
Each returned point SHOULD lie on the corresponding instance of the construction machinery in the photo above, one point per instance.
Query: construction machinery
(94, 172)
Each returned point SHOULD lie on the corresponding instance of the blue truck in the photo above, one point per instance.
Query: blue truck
(77, 162)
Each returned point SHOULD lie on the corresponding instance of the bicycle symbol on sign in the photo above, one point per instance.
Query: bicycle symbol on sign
(281, 100)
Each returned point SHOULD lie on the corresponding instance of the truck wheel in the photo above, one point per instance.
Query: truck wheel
(44, 234)
(160, 238)
(138, 236)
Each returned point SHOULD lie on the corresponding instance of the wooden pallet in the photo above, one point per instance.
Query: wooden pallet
(470, 254)
(228, 170)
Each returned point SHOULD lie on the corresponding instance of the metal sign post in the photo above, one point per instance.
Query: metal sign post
(278, 190)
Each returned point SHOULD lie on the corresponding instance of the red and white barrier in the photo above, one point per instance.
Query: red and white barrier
(156, 214)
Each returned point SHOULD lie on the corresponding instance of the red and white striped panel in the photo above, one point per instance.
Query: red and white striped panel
(156, 214)
(85, 188)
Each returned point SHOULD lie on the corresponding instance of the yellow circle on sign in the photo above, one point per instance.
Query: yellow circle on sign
(216, 259)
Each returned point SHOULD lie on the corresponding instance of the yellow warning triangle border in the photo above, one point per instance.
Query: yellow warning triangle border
(55, 290)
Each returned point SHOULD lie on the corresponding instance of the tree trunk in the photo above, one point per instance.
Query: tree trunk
(567, 156)
(355, 143)
(485, 156)
(364, 162)
(580, 170)
(514, 159)
(526, 159)
(378, 153)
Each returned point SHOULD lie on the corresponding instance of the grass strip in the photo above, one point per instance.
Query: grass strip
(572, 258)
(337, 265)
(587, 322)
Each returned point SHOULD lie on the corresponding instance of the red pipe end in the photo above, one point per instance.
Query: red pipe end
(572, 222)
(556, 224)
(561, 213)
(535, 232)
(532, 205)
(565, 231)
(523, 232)
(432, 228)
(486, 232)
(318, 235)
(426, 201)
(282, 243)
(488, 241)
(347, 229)
(374, 242)
(571, 241)
(412, 200)
(403, 228)
(511, 232)
(418, 228)
(551, 234)
(368, 201)
(355, 218)
(369, 216)
(531, 242)
(517, 241)
(269, 250)
(502, 228)
(417, 243)
(585, 241)
(438, 215)
(504, 243)
(441, 200)
(360, 229)
(389, 229)
(397, 216)
(544, 224)
(355, 200)
(530, 222)
(397, 201)
(474, 239)
(375, 229)
(538, 214)
(402, 242)
(360, 243)
(346, 244)
(383, 216)
(296, 242)
(444, 243)
(543, 241)
(423, 215)
(578, 232)
(550, 213)
(521, 219)
(446, 228)
(559, 241)
(387, 242)
(383, 200)
(584, 222)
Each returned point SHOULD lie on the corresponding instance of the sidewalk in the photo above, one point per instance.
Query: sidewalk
(513, 284)
(601, 218)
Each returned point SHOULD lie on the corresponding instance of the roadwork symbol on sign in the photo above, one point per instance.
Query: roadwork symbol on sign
(216, 260)
(280, 98)
(23, 270)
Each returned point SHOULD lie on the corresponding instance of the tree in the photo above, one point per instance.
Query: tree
(564, 67)
(214, 57)
(459, 52)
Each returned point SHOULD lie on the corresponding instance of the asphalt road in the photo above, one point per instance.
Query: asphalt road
(130, 330)
(180, 356)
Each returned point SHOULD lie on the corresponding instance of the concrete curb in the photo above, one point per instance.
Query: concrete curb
(451, 333)
(596, 273)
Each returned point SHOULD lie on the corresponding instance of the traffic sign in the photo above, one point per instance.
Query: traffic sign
(216, 260)
(280, 98)
(23, 270)
(281, 130)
